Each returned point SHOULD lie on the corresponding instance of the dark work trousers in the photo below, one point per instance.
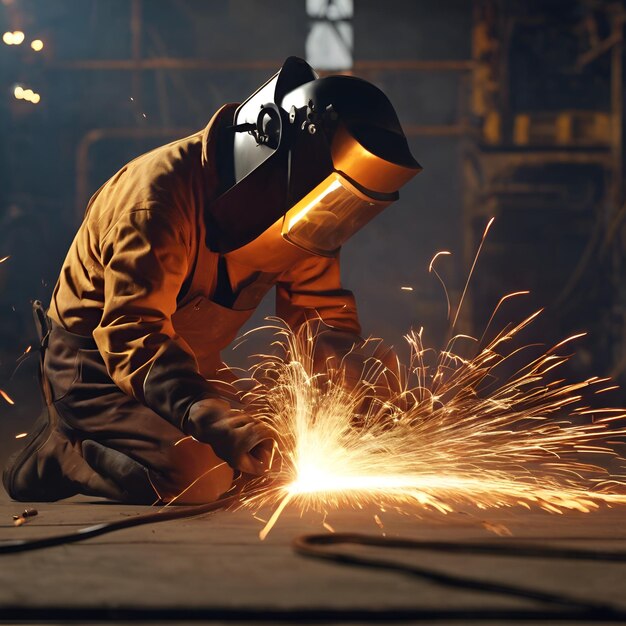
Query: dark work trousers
(105, 443)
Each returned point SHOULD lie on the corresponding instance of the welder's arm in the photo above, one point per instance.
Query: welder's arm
(145, 261)
(371, 364)
(311, 290)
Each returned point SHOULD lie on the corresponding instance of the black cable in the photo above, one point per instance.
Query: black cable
(313, 546)
(162, 515)
(506, 548)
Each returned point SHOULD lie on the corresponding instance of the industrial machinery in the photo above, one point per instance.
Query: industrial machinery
(545, 156)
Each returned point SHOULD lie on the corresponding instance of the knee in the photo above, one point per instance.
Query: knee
(193, 474)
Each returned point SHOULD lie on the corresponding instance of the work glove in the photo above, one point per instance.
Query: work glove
(244, 442)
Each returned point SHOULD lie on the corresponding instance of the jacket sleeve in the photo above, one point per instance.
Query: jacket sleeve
(145, 261)
(311, 289)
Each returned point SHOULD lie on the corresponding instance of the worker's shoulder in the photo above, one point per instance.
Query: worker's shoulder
(165, 173)
(170, 177)
(176, 157)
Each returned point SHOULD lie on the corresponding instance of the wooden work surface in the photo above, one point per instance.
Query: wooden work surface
(214, 569)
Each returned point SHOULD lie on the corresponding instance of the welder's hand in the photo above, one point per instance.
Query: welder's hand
(245, 443)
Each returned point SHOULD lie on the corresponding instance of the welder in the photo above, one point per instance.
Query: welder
(174, 254)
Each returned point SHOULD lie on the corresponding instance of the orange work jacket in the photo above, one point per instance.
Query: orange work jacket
(139, 278)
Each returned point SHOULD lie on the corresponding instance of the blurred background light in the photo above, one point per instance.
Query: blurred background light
(26, 94)
(14, 38)
(514, 108)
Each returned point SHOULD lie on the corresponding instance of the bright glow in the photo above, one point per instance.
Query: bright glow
(21, 435)
(406, 288)
(430, 439)
(304, 210)
(28, 94)
(37, 45)
(7, 38)
(18, 92)
(18, 37)
(36, 98)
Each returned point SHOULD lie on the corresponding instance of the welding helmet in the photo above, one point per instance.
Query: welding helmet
(313, 160)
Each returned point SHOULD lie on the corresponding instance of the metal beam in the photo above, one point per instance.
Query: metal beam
(436, 130)
(160, 63)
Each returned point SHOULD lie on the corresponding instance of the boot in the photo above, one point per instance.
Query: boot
(34, 474)
(52, 467)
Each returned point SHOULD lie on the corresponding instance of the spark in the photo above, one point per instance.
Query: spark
(471, 272)
(21, 435)
(611, 388)
(431, 269)
(500, 303)
(406, 288)
(499, 529)
(447, 437)
(431, 265)
(6, 396)
(3, 259)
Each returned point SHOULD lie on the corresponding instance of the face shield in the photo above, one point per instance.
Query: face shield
(319, 224)
(314, 160)
(328, 216)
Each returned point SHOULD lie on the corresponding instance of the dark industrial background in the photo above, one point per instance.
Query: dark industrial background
(514, 108)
